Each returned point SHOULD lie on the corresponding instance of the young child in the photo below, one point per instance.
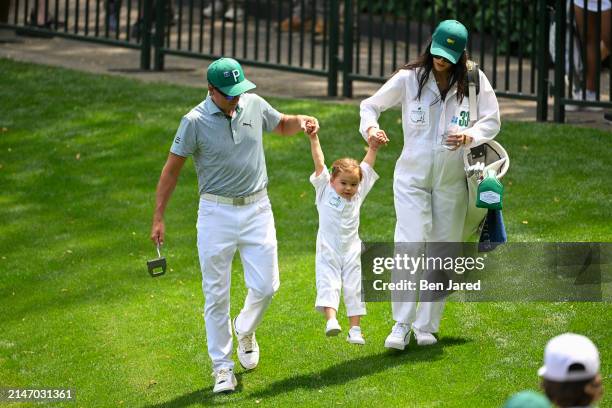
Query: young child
(339, 196)
(570, 375)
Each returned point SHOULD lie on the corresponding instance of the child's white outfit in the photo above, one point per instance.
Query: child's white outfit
(338, 259)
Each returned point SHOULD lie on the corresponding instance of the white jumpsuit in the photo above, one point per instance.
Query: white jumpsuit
(429, 182)
(338, 259)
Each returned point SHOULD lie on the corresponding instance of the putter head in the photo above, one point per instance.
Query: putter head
(157, 267)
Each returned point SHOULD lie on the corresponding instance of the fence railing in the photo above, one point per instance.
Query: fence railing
(258, 36)
(357, 40)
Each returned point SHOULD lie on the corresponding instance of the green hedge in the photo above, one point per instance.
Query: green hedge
(470, 13)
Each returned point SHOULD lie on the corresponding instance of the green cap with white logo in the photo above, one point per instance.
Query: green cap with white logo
(449, 40)
(227, 75)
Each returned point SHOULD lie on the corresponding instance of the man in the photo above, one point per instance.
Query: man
(223, 134)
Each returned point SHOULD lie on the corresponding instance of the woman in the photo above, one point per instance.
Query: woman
(429, 181)
(586, 14)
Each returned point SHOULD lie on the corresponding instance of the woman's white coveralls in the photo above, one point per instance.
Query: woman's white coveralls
(429, 183)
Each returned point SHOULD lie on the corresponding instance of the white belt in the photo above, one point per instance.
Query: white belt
(236, 200)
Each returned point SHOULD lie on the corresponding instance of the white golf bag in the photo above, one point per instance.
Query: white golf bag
(492, 156)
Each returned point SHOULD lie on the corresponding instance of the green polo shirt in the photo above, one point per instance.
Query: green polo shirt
(228, 153)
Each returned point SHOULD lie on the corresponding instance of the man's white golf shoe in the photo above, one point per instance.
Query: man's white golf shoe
(399, 336)
(248, 349)
(225, 380)
(355, 336)
(424, 338)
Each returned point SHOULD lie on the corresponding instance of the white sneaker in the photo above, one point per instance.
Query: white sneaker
(229, 14)
(355, 336)
(592, 96)
(332, 328)
(399, 336)
(248, 349)
(424, 338)
(576, 95)
(208, 10)
(225, 380)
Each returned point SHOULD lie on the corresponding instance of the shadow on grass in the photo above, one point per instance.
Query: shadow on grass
(205, 396)
(338, 374)
(350, 370)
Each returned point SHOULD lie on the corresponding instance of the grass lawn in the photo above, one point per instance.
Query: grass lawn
(80, 156)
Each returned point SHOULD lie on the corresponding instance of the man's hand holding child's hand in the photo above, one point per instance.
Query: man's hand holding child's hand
(310, 126)
(311, 129)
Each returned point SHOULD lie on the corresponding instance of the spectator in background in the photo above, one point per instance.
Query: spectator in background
(586, 13)
(527, 399)
(138, 26)
(113, 8)
(570, 375)
(313, 13)
(229, 9)
(39, 16)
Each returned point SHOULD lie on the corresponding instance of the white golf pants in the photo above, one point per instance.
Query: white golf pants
(223, 229)
(430, 204)
(337, 271)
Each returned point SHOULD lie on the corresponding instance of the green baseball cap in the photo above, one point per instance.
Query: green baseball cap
(528, 399)
(449, 40)
(227, 75)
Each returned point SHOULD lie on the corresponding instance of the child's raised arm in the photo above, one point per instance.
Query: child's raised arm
(317, 153)
(373, 145)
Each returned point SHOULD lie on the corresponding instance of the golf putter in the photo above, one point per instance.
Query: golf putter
(157, 267)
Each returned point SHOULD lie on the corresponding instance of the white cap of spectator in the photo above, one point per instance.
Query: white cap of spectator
(570, 357)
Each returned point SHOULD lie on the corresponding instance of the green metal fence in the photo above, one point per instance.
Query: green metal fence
(355, 40)
(110, 22)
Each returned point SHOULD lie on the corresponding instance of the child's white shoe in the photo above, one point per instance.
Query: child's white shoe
(355, 336)
(332, 328)
(424, 338)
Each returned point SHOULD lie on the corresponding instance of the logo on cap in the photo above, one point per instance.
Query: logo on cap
(235, 73)
(450, 41)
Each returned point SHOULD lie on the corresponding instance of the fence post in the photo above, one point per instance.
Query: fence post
(347, 50)
(5, 6)
(145, 45)
(542, 62)
(559, 94)
(158, 41)
(332, 76)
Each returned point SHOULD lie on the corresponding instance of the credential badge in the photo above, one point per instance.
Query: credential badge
(417, 115)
